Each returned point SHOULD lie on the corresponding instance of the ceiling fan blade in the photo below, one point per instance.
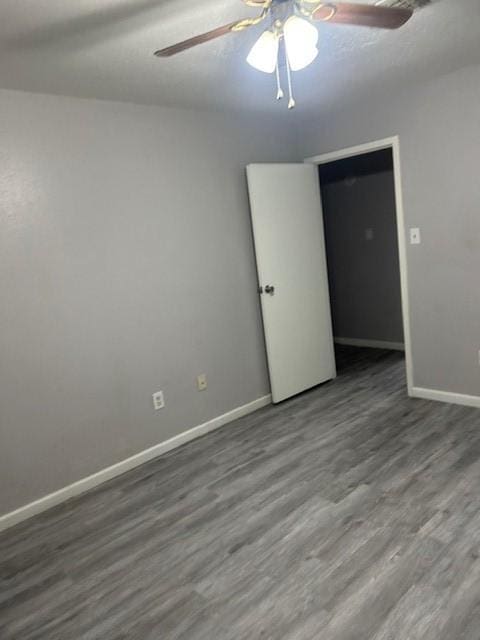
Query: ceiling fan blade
(364, 15)
(193, 42)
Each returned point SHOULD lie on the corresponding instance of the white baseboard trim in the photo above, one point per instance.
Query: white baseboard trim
(445, 396)
(42, 504)
(374, 344)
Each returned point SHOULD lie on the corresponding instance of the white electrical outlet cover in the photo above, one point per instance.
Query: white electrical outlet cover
(158, 400)
(202, 382)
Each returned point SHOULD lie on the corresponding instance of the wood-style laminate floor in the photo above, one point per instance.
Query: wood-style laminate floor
(349, 513)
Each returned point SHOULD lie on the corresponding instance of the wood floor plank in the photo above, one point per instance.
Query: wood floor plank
(350, 512)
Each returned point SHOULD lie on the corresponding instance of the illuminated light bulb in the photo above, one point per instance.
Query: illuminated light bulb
(301, 39)
(263, 54)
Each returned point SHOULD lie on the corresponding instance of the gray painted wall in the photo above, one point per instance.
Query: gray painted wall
(439, 128)
(127, 264)
(126, 267)
(364, 274)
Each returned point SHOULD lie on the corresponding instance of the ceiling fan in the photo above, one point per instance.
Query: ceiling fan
(291, 32)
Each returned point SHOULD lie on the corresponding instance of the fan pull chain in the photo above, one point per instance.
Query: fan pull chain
(279, 87)
(291, 99)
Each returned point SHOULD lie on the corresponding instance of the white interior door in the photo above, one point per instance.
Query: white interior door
(292, 272)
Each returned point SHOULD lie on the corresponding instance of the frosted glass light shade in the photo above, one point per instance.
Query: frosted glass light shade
(263, 54)
(301, 39)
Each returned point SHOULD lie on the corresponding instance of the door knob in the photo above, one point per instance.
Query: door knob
(270, 289)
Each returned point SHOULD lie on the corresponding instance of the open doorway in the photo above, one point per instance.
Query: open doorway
(288, 236)
(364, 242)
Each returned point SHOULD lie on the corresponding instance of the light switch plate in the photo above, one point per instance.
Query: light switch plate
(415, 237)
(369, 234)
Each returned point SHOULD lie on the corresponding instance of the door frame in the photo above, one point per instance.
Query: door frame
(392, 143)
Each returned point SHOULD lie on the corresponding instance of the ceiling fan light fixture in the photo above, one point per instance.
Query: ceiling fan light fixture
(301, 39)
(263, 55)
(292, 21)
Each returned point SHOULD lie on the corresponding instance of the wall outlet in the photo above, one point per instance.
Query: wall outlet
(202, 382)
(158, 400)
(369, 234)
(415, 237)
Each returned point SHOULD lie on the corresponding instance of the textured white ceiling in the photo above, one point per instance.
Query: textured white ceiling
(103, 49)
